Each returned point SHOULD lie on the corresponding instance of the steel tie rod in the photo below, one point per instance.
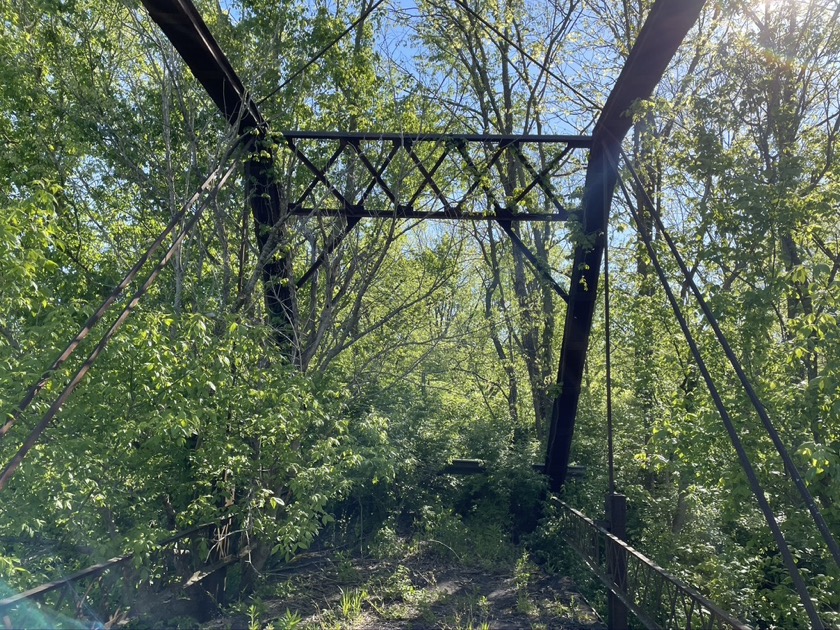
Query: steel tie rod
(58, 404)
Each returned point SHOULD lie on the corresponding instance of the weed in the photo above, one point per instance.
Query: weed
(284, 589)
(399, 585)
(489, 546)
(522, 573)
(254, 616)
(446, 530)
(351, 603)
(327, 620)
(466, 622)
(524, 605)
(387, 545)
(289, 621)
(471, 541)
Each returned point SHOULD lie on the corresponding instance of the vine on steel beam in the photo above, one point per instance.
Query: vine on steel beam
(662, 33)
(182, 24)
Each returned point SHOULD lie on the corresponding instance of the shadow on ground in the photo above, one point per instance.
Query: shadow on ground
(420, 590)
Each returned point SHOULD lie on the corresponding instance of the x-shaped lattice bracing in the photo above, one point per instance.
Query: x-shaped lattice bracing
(428, 176)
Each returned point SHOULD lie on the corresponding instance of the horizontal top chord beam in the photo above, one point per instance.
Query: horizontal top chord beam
(402, 212)
(575, 141)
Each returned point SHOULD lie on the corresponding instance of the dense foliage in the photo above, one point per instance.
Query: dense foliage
(417, 342)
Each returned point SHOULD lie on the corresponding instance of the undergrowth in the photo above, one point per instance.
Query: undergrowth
(404, 569)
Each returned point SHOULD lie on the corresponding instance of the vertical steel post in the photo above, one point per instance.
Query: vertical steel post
(665, 27)
(616, 515)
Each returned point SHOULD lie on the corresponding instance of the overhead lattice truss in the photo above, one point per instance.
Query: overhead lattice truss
(435, 176)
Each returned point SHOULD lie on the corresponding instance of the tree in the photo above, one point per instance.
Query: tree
(493, 87)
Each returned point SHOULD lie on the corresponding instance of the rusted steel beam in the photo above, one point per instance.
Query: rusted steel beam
(662, 33)
(328, 249)
(464, 467)
(478, 467)
(675, 605)
(186, 30)
(356, 212)
(540, 266)
(415, 189)
(183, 26)
(575, 141)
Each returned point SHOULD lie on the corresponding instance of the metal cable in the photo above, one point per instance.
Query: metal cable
(94, 319)
(35, 433)
(744, 459)
(610, 453)
(530, 58)
(742, 377)
(323, 51)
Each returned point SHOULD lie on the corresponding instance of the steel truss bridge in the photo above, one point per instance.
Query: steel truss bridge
(662, 33)
(403, 179)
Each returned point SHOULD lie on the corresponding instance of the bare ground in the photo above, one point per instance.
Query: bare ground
(417, 591)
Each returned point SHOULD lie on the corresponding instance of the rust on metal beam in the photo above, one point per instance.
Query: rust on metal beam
(575, 141)
(662, 33)
(599, 549)
(407, 212)
(183, 26)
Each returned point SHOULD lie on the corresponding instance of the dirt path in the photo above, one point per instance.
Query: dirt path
(423, 591)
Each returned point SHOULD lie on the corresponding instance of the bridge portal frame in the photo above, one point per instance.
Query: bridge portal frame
(666, 26)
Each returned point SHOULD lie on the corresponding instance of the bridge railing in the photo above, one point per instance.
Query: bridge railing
(656, 598)
(101, 592)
